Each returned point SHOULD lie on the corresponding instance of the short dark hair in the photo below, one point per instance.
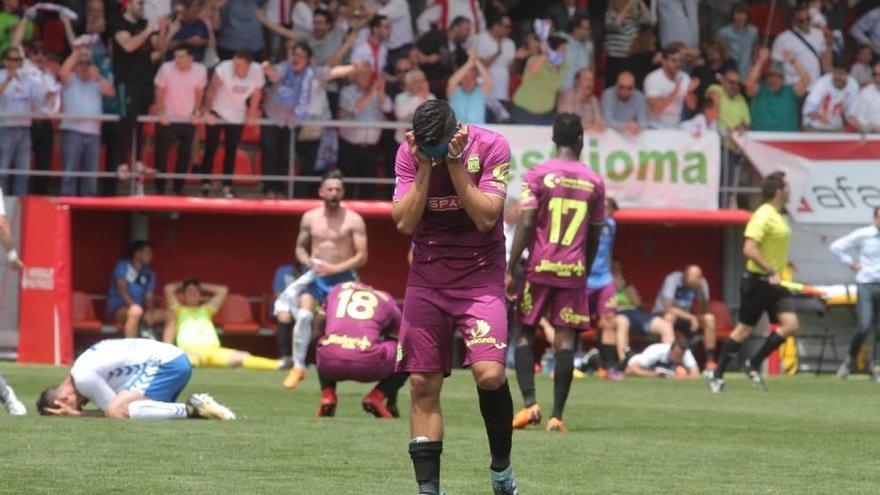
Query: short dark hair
(497, 19)
(838, 63)
(187, 48)
(458, 21)
(245, 55)
(576, 21)
(613, 202)
(876, 211)
(7, 51)
(772, 183)
(326, 14)
(556, 41)
(567, 130)
(682, 342)
(671, 50)
(302, 45)
(707, 103)
(47, 401)
(433, 120)
(376, 21)
(190, 281)
(741, 8)
(331, 174)
(137, 246)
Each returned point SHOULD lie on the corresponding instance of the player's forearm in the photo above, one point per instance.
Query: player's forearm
(480, 207)
(524, 232)
(408, 211)
(593, 235)
(5, 235)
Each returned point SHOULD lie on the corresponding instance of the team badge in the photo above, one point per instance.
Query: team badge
(473, 164)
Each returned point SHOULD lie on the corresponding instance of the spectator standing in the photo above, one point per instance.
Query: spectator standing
(241, 28)
(180, 86)
(9, 19)
(678, 20)
(189, 29)
(496, 51)
(642, 55)
(134, 43)
(862, 69)
(622, 21)
(400, 41)
(716, 61)
(563, 13)
(866, 30)
(535, 100)
(624, 107)
(373, 52)
(362, 101)
(668, 89)
(807, 44)
(581, 101)
(131, 296)
(440, 52)
(279, 12)
(775, 103)
(19, 93)
(440, 14)
(579, 49)
(303, 15)
(741, 38)
(467, 95)
(869, 104)
(716, 13)
(84, 89)
(234, 95)
(832, 104)
(416, 92)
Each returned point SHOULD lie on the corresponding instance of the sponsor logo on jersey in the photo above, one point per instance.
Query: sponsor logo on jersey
(552, 180)
(568, 315)
(473, 164)
(347, 342)
(447, 203)
(527, 305)
(480, 335)
(561, 269)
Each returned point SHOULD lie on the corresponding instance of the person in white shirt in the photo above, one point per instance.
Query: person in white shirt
(303, 15)
(234, 95)
(667, 90)
(373, 51)
(673, 360)
(703, 122)
(441, 13)
(129, 378)
(496, 51)
(869, 103)
(401, 39)
(6, 238)
(416, 92)
(180, 85)
(832, 104)
(808, 45)
(866, 242)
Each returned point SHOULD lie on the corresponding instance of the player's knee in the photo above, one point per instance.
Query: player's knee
(709, 320)
(490, 378)
(135, 311)
(284, 317)
(422, 387)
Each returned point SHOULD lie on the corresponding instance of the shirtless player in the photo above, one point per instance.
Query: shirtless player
(332, 241)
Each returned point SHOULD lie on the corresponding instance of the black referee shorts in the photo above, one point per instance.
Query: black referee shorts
(758, 296)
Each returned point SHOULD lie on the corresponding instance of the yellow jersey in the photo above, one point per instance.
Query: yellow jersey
(194, 326)
(769, 229)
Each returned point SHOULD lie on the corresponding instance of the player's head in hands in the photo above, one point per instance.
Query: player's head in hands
(568, 135)
(332, 189)
(64, 393)
(434, 125)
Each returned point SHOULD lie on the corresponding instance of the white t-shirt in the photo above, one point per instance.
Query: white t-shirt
(788, 41)
(230, 101)
(2, 204)
(302, 17)
(109, 366)
(869, 108)
(405, 106)
(698, 125)
(397, 12)
(375, 60)
(657, 85)
(657, 356)
(831, 101)
(500, 68)
(180, 87)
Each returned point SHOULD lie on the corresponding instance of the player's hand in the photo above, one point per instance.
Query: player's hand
(210, 119)
(17, 265)
(509, 287)
(775, 279)
(632, 128)
(456, 146)
(63, 409)
(415, 151)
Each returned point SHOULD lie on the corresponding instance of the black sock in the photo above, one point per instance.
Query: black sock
(710, 354)
(856, 345)
(626, 357)
(773, 341)
(562, 380)
(496, 407)
(608, 355)
(425, 457)
(284, 338)
(391, 385)
(525, 373)
(325, 383)
(729, 352)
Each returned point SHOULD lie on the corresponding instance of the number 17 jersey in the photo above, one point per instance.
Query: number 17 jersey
(569, 198)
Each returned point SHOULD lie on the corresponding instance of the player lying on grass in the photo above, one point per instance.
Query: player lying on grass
(129, 378)
(193, 330)
(665, 360)
(359, 343)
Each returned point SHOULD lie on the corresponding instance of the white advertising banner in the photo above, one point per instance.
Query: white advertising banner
(657, 169)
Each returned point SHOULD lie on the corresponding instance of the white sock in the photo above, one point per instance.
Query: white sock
(302, 337)
(151, 409)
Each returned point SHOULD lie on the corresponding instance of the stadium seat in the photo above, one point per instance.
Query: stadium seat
(236, 316)
(83, 314)
(251, 134)
(723, 319)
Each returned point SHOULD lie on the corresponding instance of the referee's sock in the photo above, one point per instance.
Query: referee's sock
(524, 362)
(496, 406)
(562, 380)
(773, 341)
(729, 352)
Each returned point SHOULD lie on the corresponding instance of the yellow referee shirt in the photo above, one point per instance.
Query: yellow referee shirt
(769, 229)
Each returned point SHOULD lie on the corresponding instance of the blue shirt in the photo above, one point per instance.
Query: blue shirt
(21, 95)
(469, 108)
(284, 276)
(741, 44)
(240, 29)
(82, 98)
(866, 241)
(138, 283)
(188, 30)
(867, 29)
(600, 275)
(681, 296)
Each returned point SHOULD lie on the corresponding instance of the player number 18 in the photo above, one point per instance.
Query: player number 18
(560, 207)
(357, 304)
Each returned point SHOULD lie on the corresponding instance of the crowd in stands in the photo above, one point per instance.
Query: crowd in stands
(209, 69)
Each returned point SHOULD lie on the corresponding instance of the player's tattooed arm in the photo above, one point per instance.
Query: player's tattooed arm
(304, 241)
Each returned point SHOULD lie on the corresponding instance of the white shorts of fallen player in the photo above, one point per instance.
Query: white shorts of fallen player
(288, 300)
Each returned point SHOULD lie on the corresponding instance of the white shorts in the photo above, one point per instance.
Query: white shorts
(288, 300)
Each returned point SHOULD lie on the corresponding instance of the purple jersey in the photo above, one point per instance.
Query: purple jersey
(448, 250)
(569, 197)
(358, 315)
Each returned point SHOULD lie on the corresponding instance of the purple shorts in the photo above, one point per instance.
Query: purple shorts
(601, 301)
(371, 365)
(431, 316)
(563, 306)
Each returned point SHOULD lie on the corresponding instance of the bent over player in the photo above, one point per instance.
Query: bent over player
(359, 343)
(451, 185)
(129, 378)
(560, 198)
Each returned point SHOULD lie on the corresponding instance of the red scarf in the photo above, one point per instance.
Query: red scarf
(444, 14)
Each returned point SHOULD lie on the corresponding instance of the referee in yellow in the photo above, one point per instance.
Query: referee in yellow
(766, 251)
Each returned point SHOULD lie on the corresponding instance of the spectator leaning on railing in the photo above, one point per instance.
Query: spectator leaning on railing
(84, 89)
(869, 104)
(467, 93)
(775, 103)
(832, 103)
(624, 108)
(581, 101)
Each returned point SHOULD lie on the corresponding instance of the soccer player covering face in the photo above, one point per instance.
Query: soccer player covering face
(451, 186)
(563, 208)
(359, 344)
(766, 251)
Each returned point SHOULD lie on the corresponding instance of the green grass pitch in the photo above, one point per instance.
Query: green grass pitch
(805, 435)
